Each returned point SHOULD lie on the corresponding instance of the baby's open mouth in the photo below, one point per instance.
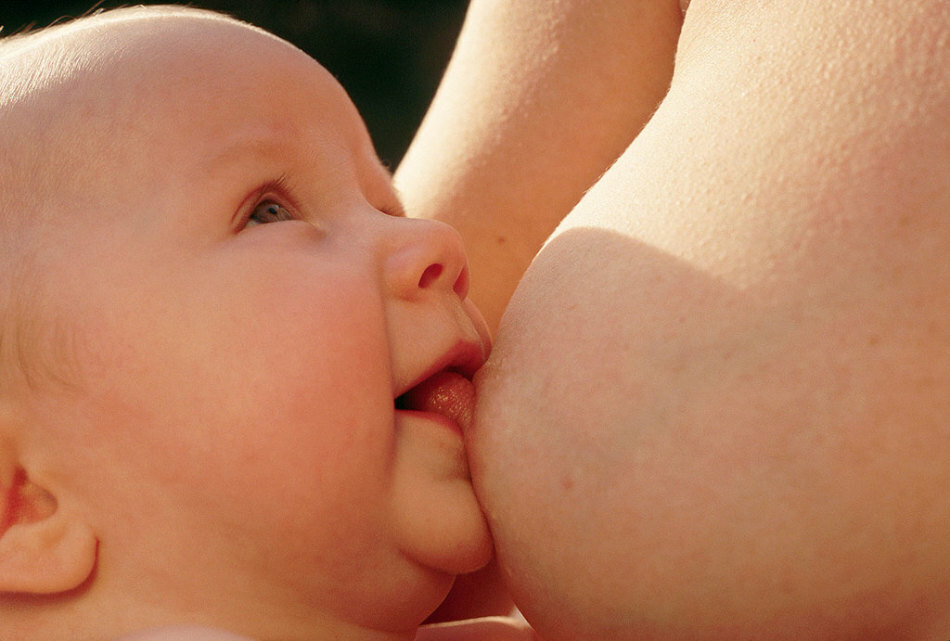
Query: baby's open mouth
(447, 393)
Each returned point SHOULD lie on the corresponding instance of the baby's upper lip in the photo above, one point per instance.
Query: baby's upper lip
(464, 358)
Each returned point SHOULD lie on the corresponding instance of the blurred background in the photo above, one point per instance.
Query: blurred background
(388, 54)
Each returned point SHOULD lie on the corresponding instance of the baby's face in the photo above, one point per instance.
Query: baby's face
(248, 305)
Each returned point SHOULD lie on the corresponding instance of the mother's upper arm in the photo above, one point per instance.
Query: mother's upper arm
(539, 98)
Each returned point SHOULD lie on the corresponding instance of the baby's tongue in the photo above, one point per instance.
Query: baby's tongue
(446, 393)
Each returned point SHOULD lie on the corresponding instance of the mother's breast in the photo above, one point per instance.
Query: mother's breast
(719, 366)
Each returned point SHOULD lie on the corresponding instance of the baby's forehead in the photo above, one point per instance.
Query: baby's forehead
(145, 99)
(98, 92)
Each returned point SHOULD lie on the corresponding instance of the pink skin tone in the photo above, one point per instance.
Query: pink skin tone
(240, 304)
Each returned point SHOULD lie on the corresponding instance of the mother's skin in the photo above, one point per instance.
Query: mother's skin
(719, 401)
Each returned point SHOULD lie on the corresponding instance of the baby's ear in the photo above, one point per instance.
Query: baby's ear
(43, 549)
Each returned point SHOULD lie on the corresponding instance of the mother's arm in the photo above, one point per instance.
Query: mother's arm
(539, 99)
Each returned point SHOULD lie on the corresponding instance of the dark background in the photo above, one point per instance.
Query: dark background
(388, 54)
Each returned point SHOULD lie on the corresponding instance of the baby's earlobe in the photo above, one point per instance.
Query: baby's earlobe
(43, 549)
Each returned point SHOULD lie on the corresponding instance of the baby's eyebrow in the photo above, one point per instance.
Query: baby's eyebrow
(254, 142)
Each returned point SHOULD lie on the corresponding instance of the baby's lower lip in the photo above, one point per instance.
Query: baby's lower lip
(434, 417)
(447, 395)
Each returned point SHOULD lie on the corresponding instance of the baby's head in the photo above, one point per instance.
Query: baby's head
(209, 306)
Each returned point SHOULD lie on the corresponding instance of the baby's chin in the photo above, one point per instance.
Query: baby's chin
(438, 523)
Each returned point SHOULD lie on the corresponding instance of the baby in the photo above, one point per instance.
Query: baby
(234, 377)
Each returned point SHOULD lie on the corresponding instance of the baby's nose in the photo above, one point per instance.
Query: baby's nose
(425, 256)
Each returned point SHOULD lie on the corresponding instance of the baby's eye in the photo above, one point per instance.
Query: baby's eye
(268, 211)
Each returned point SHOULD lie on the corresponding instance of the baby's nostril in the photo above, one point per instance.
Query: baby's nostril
(430, 275)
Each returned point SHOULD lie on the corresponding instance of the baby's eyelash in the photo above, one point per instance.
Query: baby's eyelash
(271, 202)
